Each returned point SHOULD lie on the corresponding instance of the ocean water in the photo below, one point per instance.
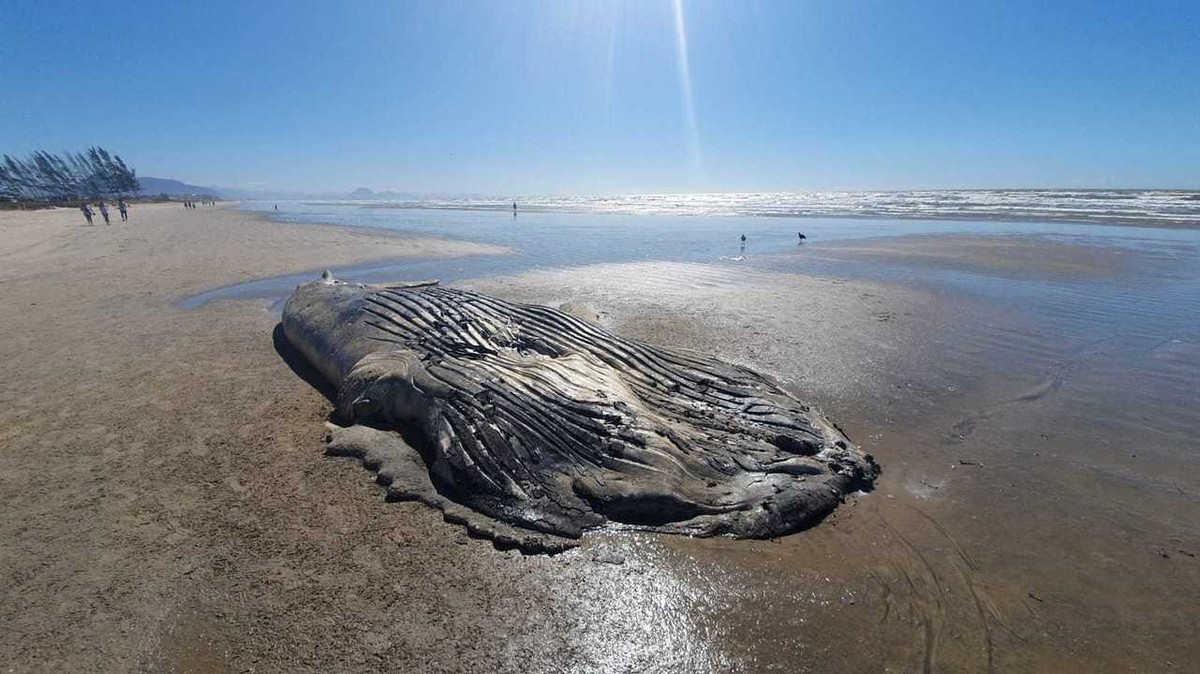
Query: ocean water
(1133, 207)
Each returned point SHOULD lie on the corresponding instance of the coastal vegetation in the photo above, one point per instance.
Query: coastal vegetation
(48, 179)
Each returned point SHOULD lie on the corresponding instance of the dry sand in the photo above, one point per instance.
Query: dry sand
(167, 505)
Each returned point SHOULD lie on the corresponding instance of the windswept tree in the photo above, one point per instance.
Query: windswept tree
(42, 176)
(10, 180)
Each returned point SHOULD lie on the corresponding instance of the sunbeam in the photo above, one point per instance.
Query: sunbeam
(685, 86)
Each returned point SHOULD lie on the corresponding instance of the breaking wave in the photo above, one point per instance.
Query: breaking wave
(1116, 207)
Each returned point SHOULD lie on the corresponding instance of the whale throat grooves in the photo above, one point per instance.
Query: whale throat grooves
(532, 426)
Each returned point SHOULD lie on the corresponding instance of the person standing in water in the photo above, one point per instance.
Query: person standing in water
(514, 208)
(124, 208)
(104, 212)
(87, 213)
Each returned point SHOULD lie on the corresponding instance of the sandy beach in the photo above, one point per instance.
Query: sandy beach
(168, 507)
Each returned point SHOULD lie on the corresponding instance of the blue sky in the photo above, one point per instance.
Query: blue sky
(578, 97)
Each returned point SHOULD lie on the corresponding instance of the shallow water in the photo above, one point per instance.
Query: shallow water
(547, 240)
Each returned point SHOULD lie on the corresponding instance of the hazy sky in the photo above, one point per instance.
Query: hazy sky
(569, 96)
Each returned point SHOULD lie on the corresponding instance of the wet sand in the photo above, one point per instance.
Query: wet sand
(1011, 256)
(167, 505)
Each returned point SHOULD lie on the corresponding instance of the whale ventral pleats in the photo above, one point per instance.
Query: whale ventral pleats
(531, 425)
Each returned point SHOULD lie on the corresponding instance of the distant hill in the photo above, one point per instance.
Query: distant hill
(174, 188)
(364, 193)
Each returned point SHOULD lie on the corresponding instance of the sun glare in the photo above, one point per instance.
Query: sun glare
(685, 91)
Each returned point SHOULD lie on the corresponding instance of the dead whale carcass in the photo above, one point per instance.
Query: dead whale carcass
(548, 425)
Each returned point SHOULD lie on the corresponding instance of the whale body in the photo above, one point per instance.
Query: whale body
(532, 426)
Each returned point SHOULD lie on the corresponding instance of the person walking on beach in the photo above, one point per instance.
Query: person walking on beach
(514, 208)
(124, 208)
(87, 213)
(104, 212)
